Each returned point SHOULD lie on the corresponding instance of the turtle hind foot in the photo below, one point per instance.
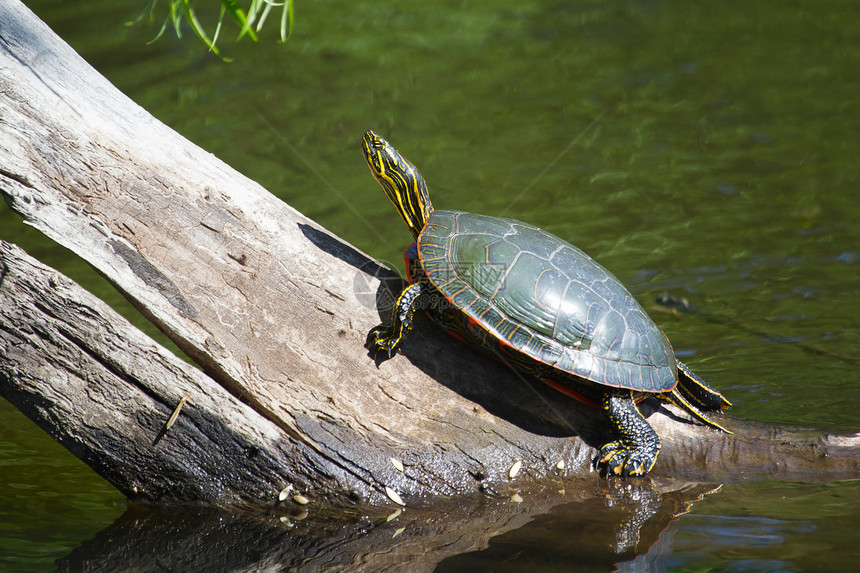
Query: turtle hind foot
(627, 461)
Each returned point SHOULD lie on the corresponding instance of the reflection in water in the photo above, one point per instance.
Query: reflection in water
(762, 540)
(641, 501)
(589, 525)
(592, 523)
(616, 524)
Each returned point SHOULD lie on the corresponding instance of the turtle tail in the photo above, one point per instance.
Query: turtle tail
(677, 398)
(692, 395)
(697, 392)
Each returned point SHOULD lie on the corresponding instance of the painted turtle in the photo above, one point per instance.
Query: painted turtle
(540, 304)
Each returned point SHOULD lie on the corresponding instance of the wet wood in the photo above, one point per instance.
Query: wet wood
(274, 310)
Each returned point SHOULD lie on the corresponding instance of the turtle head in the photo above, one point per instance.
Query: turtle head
(400, 180)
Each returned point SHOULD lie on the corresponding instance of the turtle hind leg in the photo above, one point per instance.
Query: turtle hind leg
(388, 337)
(637, 446)
(697, 392)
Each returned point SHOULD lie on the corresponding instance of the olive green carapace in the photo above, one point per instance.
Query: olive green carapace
(536, 302)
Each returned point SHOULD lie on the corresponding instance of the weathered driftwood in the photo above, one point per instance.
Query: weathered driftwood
(105, 391)
(265, 302)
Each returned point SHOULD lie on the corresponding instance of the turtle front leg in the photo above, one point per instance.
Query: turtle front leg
(637, 446)
(389, 337)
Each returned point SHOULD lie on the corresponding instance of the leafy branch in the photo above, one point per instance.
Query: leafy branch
(250, 22)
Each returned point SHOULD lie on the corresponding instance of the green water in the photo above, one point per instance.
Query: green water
(704, 149)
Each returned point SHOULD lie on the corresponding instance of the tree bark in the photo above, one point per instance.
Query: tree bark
(274, 309)
(105, 391)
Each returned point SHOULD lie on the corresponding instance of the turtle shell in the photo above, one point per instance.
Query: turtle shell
(546, 298)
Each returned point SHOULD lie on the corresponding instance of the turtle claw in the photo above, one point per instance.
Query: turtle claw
(623, 460)
(382, 339)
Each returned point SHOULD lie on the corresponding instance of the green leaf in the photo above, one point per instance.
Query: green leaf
(239, 15)
(287, 20)
(198, 29)
(249, 24)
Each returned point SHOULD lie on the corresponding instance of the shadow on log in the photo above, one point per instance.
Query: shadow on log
(269, 307)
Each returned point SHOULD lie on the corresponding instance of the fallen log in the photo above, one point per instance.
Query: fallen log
(274, 310)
